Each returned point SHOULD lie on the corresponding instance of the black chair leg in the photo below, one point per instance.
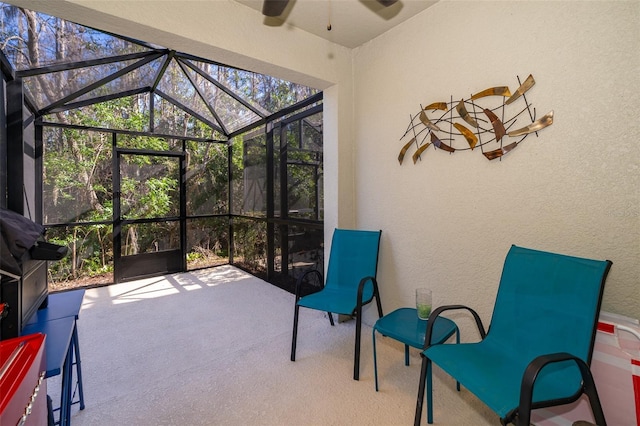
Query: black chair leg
(523, 419)
(356, 359)
(295, 333)
(592, 393)
(421, 387)
(358, 314)
(330, 319)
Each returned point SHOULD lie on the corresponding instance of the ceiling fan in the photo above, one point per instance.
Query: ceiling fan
(274, 8)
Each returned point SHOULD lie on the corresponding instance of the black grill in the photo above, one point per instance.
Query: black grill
(23, 266)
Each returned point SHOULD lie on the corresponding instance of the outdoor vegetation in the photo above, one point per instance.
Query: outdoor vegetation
(138, 141)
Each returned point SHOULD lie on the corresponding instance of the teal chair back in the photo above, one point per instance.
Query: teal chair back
(548, 303)
(354, 255)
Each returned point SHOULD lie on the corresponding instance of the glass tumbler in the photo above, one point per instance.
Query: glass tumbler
(423, 303)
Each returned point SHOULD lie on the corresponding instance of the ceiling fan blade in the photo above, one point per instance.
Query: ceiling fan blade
(386, 3)
(274, 7)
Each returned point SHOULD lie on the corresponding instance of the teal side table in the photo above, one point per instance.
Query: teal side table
(404, 325)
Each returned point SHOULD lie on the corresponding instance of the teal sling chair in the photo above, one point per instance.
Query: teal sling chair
(350, 284)
(538, 348)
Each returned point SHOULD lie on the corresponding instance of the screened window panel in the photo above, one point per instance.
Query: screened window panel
(301, 191)
(131, 113)
(176, 85)
(172, 120)
(152, 237)
(89, 260)
(276, 173)
(47, 89)
(301, 150)
(143, 76)
(149, 186)
(250, 245)
(58, 41)
(148, 143)
(265, 93)
(233, 114)
(207, 242)
(250, 174)
(77, 184)
(207, 179)
(305, 249)
(312, 133)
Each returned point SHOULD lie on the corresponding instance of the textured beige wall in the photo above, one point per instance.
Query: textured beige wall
(449, 220)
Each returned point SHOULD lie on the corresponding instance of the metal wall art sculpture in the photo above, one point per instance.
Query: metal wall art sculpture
(466, 125)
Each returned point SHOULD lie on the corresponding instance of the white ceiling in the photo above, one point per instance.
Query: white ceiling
(353, 22)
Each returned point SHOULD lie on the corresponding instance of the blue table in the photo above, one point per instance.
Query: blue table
(58, 353)
(404, 325)
(62, 306)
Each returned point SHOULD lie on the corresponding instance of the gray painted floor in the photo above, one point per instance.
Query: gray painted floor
(212, 347)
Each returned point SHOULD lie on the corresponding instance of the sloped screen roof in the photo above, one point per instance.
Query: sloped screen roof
(66, 66)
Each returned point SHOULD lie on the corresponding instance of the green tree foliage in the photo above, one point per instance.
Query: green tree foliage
(207, 178)
(90, 123)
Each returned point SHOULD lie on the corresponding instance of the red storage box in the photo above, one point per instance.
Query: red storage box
(23, 390)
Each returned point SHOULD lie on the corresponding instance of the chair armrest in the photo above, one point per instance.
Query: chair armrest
(375, 294)
(361, 288)
(588, 387)
(301, 278)
(535, 367)
(436, 313)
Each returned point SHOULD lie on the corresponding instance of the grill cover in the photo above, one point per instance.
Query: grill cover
(19, 234)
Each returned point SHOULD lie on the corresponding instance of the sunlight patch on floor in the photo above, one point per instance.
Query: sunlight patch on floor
(150, 288)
